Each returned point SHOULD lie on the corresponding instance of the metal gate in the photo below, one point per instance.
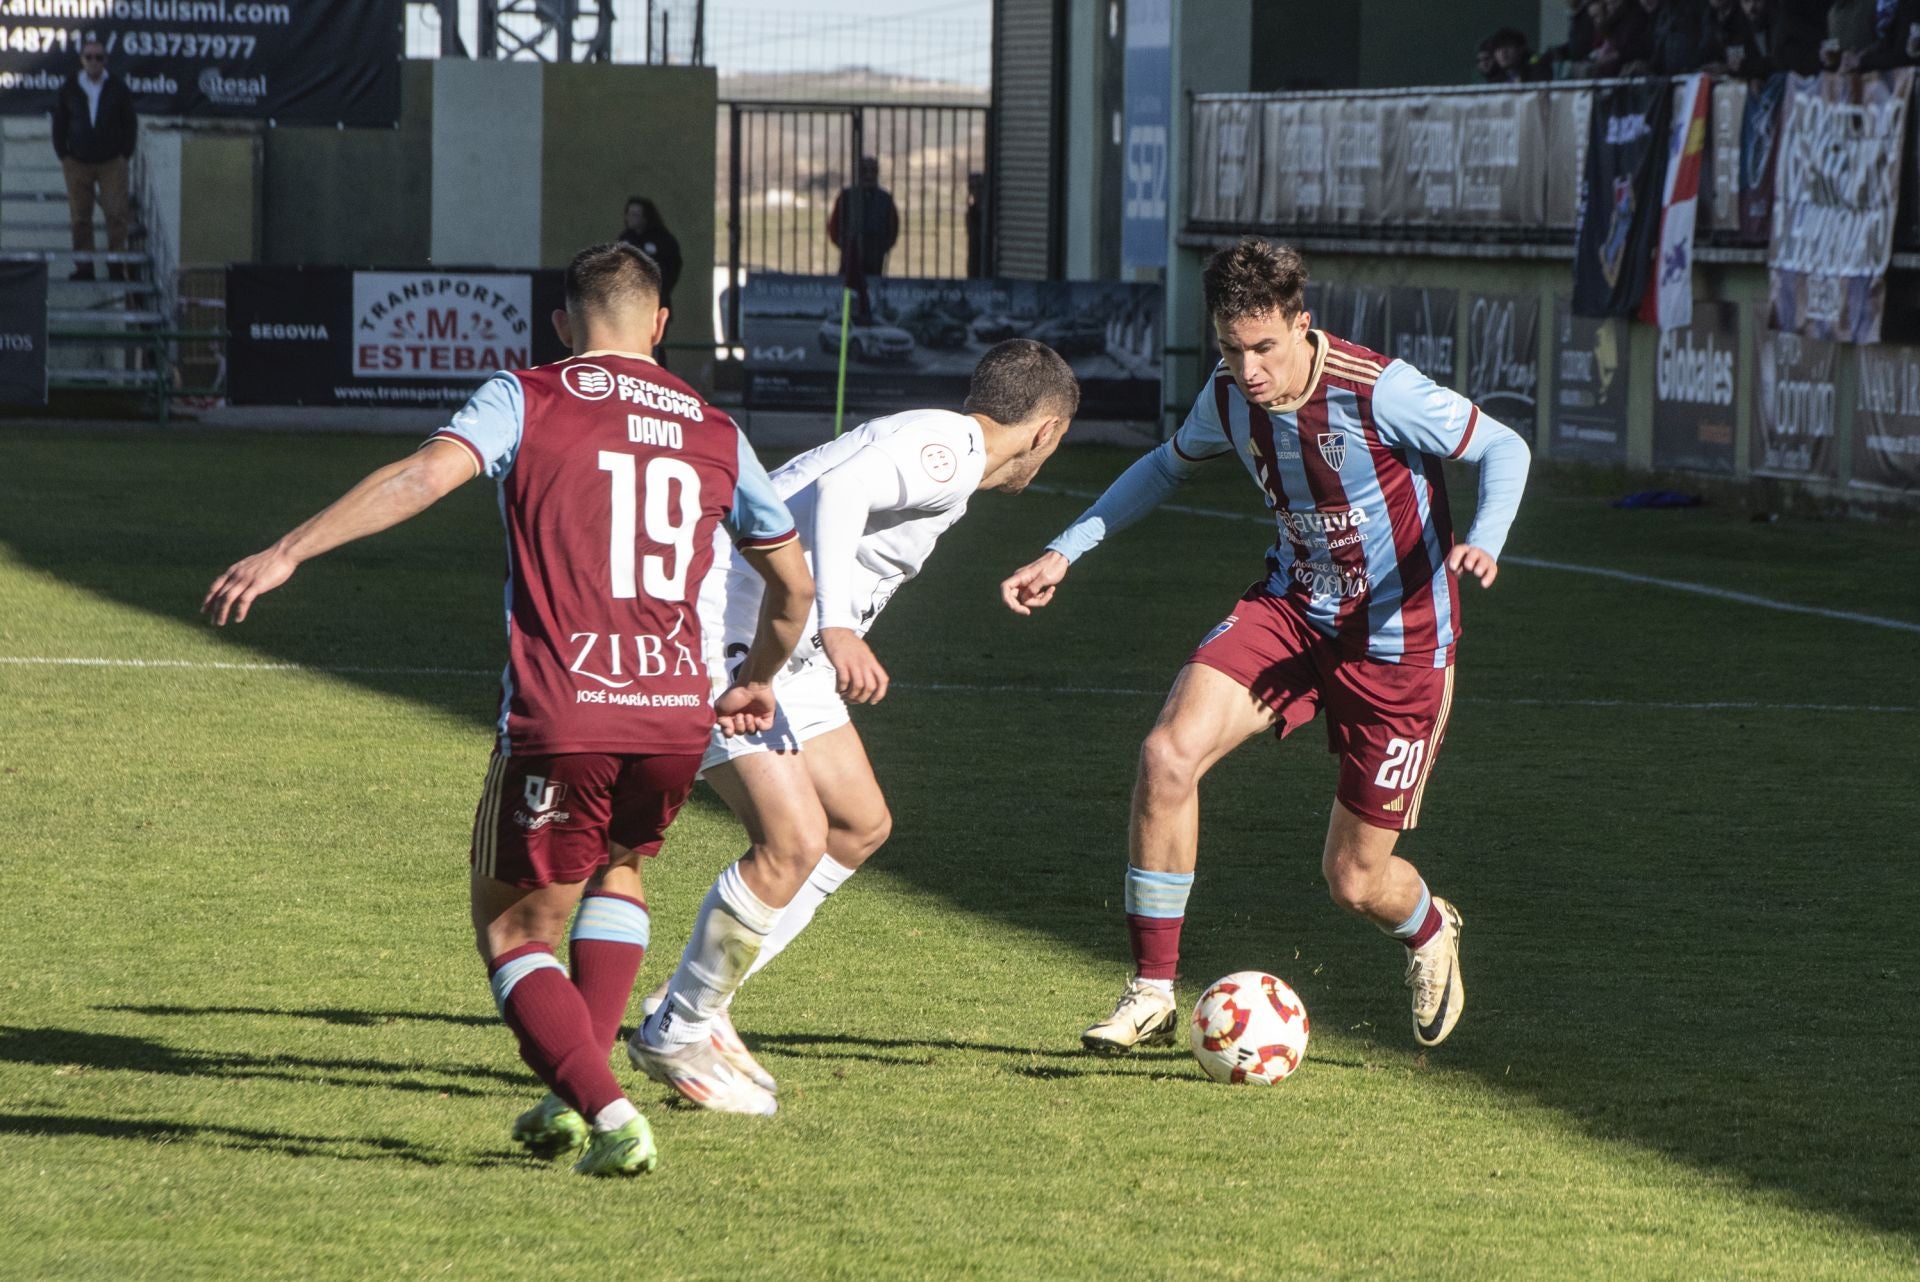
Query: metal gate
(786, 163)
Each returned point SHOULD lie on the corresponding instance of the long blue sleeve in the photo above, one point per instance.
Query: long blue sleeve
(1503, 458)
(1133, 494)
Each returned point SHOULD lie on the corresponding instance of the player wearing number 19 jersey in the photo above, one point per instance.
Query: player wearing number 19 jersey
(613, 479)
(1357, 617)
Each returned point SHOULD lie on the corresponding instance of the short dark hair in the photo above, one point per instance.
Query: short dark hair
(1507, 36)
(606, 277)
(1255, 278)
(1018, 379)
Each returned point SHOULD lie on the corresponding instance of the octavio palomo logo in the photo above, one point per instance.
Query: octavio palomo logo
(436, 324)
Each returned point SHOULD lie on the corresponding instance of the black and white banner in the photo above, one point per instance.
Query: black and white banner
(1837, 192)
(1357, 313)
(404, 338)
(1627, 145)
(1589, 387)
(294, 62)
(1795, 406)
(1693, 392)
(1420, 331)
(23, 333)
(1503, 358)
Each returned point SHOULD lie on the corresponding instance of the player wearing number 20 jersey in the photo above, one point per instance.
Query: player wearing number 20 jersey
(611, 505)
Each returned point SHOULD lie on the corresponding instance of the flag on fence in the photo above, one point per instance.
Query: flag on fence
(1619, 207)
(1668, 302)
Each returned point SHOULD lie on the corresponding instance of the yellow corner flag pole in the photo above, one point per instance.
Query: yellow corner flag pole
(840, 390)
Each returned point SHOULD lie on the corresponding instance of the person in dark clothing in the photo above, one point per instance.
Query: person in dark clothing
(94, 131)
(1513, 62)
(1483, 63)
(1674, 38)
(1783, 35)
(648, 233)
(1578, 45)
(1723, 29)
(977, 224)
(1897, 46)
(863, 225)
(1623, 36)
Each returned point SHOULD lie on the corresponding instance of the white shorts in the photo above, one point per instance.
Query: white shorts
(806, 707)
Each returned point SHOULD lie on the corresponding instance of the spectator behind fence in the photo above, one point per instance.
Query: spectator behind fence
(647, 232)
(1512, 61)
(976, 226)
(1483, 63)
(1852, 29)
(1675, 34)
(1724, 31)
(94, 130)
(1623, 36)
(863, 226)
(1898, 44)
(1566, 58)
(1783, 35)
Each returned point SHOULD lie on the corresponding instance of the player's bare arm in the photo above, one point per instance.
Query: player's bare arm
(1032, 585)
(747, 708)
(382, 500)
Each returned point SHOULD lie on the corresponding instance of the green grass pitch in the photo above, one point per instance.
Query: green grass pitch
(244, 1034)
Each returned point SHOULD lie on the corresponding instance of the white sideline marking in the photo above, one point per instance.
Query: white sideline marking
(1624, 576)
(932, 687)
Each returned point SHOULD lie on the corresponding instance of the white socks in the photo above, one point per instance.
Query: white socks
(828, 876)
(615, 1115)
(1164, 985)
(731, 931)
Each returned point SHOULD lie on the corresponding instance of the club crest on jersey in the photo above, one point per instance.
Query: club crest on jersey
(588, 382)
(940, 462)
(1333, 448)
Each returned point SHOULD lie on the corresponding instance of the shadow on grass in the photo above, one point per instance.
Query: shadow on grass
(337, 1015)
(74, 1050)
(342, 1148)
(1688, 934)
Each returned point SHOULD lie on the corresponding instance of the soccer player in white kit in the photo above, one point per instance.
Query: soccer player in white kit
(869, 508)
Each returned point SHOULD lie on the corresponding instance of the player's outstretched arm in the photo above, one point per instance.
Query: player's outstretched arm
(1032, 585)
(382, 500)
(747, 707)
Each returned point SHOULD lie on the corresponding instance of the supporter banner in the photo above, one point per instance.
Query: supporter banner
(1226, 160)
(1795, 406)
(1759, 152)
(1886, 419)
(1720, 205)
(1356, 161)
(1693, 402)
(1465, 158)
(294, 62)
(1668, 303)
(1620, 197)
(1838, 191)
(1503, 358)
(1357, 313)
(23, 333)
(1149, 122)
(1589, 387)
(1569, 117)
(1293, 161)
(927, 335)
(399, 338)
(1420, 331)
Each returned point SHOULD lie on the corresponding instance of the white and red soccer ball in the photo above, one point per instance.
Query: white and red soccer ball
(1249, 1027)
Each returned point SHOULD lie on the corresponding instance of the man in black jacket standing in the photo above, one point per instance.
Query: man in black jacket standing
(94, 129)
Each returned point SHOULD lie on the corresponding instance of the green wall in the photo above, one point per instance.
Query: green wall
(618, 131)
(353, 197)
(1379, 44)
(219, 173)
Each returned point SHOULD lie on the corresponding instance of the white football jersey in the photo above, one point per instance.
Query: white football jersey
(916, 472)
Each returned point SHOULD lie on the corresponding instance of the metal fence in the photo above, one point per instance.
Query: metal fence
(783, 165)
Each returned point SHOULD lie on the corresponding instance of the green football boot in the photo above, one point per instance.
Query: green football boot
(627, 1151)
(550, 1129)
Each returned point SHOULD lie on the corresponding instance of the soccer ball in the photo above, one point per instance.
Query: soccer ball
(1249, 1027)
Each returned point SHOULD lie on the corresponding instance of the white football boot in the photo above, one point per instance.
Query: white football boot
(1144, 1016)
(726, 1040)
(1433, 973)
(696, 1070)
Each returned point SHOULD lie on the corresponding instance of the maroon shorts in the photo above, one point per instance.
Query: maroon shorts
(549, 819)
(1385, 721)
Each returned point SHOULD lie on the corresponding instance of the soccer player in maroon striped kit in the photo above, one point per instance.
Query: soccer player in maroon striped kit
(613, 477)
(1358, 616)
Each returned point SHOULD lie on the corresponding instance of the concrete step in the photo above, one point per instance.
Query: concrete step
(16, 240)
(108, 378)
(103, 320)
